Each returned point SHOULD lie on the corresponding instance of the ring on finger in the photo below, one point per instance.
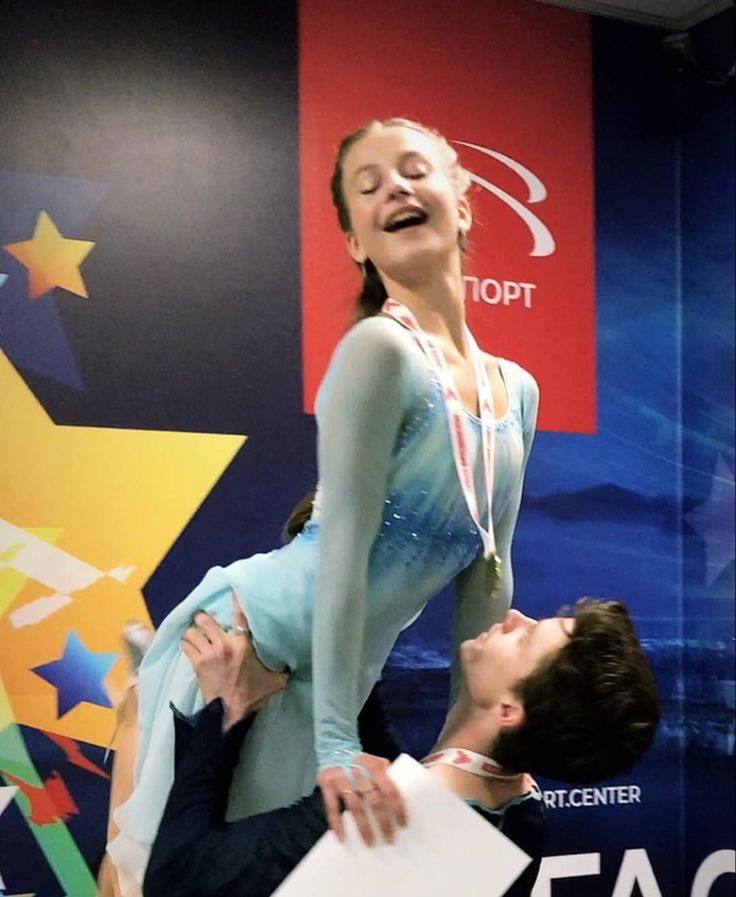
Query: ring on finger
(366, 790)
(240, 630)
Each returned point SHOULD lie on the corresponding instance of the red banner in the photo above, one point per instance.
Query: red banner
(509, 84)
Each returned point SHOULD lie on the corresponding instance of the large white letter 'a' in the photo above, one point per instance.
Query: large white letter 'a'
(636, 869)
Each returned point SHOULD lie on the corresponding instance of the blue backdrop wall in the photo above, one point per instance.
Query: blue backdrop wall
(169, 140)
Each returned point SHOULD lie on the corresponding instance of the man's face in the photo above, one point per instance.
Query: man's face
(500, 657)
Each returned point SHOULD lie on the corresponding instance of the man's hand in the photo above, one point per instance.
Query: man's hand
(227, 666)
(357, 788)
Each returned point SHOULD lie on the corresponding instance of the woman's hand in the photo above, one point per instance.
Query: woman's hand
(358, 788)
(227, 666)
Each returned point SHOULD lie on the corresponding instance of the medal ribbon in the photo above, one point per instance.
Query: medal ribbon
(456, 419)
(469, 761)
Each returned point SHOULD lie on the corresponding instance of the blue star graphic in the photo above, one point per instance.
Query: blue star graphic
(78, 675)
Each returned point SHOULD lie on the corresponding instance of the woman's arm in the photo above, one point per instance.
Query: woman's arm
(360, 416)
(475, 609)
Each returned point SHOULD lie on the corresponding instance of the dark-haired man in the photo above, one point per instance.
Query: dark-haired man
(568, 697)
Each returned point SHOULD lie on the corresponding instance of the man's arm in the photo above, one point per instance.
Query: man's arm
(196, 852)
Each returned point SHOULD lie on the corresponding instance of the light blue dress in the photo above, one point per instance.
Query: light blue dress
(390, 529)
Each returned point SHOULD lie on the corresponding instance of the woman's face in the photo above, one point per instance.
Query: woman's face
(404, 208)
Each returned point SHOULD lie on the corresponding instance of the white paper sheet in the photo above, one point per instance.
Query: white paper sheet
(447, 850)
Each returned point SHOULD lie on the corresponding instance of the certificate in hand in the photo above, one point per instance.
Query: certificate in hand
(447, 848)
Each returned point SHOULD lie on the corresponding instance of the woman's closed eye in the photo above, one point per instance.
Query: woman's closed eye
(415, 168)
(368, 180)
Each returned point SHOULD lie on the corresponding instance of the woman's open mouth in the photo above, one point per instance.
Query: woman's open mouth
(403, 219)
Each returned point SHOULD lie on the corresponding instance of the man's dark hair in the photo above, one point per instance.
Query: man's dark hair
(591, 710)
(298, 517)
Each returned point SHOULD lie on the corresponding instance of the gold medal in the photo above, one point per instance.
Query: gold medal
(493, 575)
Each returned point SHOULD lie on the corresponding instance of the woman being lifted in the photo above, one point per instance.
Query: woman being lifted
(423, 440)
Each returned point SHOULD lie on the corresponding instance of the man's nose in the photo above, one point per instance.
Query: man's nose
(515, 619)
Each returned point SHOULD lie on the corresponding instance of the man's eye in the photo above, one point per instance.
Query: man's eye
(368, 189)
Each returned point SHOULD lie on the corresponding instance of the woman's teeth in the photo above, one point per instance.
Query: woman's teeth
(405, 219)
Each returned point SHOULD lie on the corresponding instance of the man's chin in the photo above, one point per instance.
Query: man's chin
(468, 648)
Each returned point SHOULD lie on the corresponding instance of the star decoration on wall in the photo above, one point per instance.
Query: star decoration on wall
(713, 521)
(86, 515)
(52, 260)
(32, 331)
(78, 674)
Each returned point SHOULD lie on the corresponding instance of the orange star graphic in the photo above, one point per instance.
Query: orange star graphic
(52, 260)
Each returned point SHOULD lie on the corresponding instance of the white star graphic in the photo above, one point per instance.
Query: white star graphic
(713, 521)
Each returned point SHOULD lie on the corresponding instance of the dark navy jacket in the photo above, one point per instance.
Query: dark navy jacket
(197, 854)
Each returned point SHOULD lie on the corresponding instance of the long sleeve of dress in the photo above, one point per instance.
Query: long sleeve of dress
(475, 610)
(359, 415)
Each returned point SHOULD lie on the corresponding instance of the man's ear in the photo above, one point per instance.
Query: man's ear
(510, 713)
(356, 253)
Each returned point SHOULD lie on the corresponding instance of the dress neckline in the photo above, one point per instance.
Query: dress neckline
(471, 414)
(502, 419)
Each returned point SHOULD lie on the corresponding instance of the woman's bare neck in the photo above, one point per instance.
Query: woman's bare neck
(438, 304)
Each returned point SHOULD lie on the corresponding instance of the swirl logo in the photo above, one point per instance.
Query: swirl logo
(543, 241)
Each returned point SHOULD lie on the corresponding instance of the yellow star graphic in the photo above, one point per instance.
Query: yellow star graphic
(52, 260)
(113, 502)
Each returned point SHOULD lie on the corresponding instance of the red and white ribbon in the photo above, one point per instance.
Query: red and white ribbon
(469, 761)
(457, 421)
